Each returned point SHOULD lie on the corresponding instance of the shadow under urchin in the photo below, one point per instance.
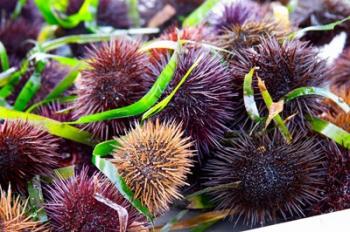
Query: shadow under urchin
(283, 67)
(203, 104)
(274, 180)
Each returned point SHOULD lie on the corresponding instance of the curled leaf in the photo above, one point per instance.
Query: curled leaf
(122, 212)
(248, 96)
(331, 131)
(277, 118)
(51, 126)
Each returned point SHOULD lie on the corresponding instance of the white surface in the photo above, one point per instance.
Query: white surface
(334, 222)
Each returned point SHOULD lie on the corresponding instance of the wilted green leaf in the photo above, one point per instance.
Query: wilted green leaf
(331, 131)
(166, 227)
(105, 148)
(248, 97)
(65, 173)
(52, 15)
(56, 99)
(327, 27)
(30, 88)
(64, 84)
(277, 119)
(3, 58)
(72, 62)
(197, 221)
(19, 6)
(141, 105)
(52, 126)
(305, 91)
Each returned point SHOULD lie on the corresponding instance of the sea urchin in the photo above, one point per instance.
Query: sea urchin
(25, 150)
(116, 77)
(13, 215)
(73, 206)
(154, 159)
(283, 68)
(204, 102)
(272, 179)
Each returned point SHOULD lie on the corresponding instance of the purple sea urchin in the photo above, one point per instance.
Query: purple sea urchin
(13, 215)
(15, 36)
(337, 194)
(273, 179)
(25, 150)
(204, 102)
(116, 78)
(72, 206)
(154, 160)
(236, 14)
(283, 68)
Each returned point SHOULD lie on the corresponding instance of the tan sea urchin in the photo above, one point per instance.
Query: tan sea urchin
(154, 159)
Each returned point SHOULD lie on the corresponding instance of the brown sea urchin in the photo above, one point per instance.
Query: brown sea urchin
(283, 68)
(116, 77)
(274, 179)
(154, 160)
(204, 102)
(73, 206)
(25, 150)
(13, 214)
